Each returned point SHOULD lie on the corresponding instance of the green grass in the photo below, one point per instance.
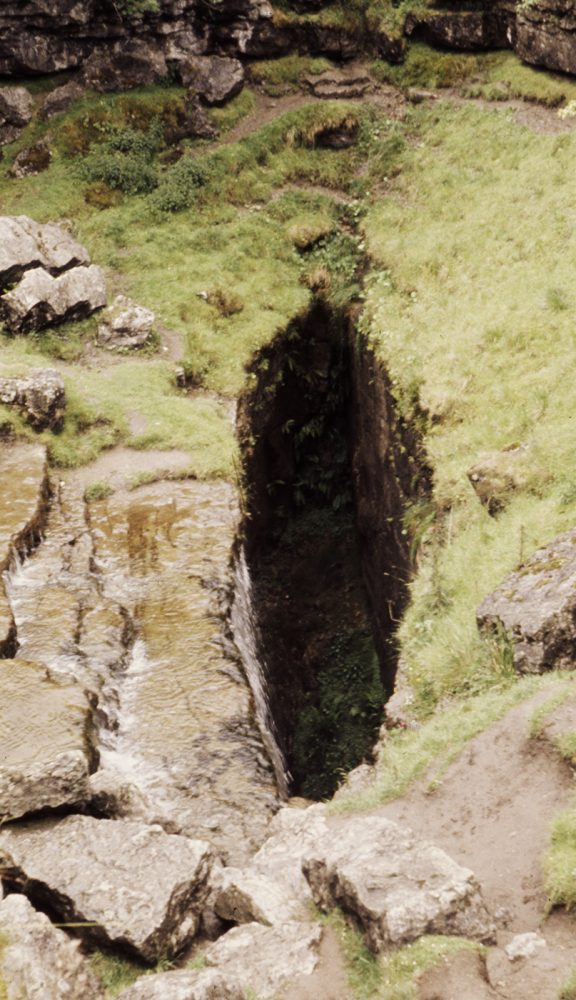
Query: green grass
(463, 309)
(568, 991)
(560, 861)
(286, 74)
(115, 971)
(408, 754)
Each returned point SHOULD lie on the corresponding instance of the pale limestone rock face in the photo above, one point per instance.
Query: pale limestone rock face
(245, 897)
(40, 300)
(395, 886)
(25, 244)
(40, 396)
(38, 961)
(16, 108)
(265, 959)
(216, 79)
(134, 884)
(535, 608)
(44, 752)
(125, 324)
(205, 984)
(291, 835)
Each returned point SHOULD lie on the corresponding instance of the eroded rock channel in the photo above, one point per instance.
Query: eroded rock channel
(329, 469)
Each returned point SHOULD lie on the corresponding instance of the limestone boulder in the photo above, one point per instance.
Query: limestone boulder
(266, 959)
(38, 961)
(203, 984)
(25, 244)
(125, 324)
(123, 65)
(40, 300)
(545, 34)
(45, 757)
(40, 396)
(395, 886)
(126, 882)
(215, 79)
(247, 897)
(31, 161)
(16, 109)
(535, 608)
(292, 833)
(61, 99)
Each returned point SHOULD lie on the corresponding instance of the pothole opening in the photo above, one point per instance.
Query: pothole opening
(329, 467)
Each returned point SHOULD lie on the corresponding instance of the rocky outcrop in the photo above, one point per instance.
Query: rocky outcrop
(86, 869)
(40, 300)
(466, 30)
(214, 79)
(45, 756)
(205, 984)
(25, 494)
(16, 107)
(125, 324)
(337, 84)
(246, 897)
(39, 396)
(545, 34)
(265, 959)
(60, 99)
(25, 244)
(31, 161)
(38, 961)
(126, 64)
(394, 886)
(535, 609)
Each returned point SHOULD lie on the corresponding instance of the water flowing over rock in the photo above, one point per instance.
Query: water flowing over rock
(87, 870)
(25, 244)
(25, 489)
(39, 396)
(265, 959)
(38, 961)
(45, 755)
(205, 984)
(40, 300)
(125, 324)
(395, 886)
(535, 607)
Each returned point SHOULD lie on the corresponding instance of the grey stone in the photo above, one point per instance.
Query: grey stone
(31, 161)
(16, 108)
(497, 475)
(25, 244)
(338, 84)
(215, 79)
(524, 945)
(126, 64)
(40, 396)
(61, 99)
(40, 300)
(265, 959)
(204, 984)
(246, 897)
(44, 753)
(535, 608)
(130, 884)
(394, 886)
(292, 833)
(125, 324)
(38, 961)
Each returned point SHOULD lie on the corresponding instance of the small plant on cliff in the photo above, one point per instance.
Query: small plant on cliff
(132, 8)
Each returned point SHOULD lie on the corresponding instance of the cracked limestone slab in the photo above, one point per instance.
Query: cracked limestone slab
(130, 884)
(266, 959)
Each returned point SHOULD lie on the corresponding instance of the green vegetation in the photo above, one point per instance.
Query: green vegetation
(568, 991)
(98, 491)
(133, 8)
(560, 862)
(115, 971)
(286, 74)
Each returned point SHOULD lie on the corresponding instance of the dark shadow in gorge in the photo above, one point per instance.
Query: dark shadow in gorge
(329, 469)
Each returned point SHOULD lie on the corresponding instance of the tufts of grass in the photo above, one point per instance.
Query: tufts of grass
(560, 862)
(459, 311)
(407, 754)
(115, 971)
(540, 715)
(568, 990)
(98, 491)
(401, 969)
(228, 116)
(364, 972)
(286, 74)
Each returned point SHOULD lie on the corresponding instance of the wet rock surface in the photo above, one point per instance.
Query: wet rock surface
(265, 959)
(94, 879)
(39, 396)
(535, 609)
(205, 984)
(26, 244)
(45, 755)
(25, 491)
(38, 961)
(394, 885)
(40, 300)
(125, 324)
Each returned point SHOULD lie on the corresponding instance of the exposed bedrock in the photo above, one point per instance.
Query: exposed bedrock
(330, 467)
(25, 499)
(534, 609)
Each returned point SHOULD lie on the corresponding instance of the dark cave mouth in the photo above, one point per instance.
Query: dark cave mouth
(328, 468)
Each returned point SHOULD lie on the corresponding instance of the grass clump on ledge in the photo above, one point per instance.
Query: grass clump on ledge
(560, 862)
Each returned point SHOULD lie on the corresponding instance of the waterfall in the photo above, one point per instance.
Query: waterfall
(245, 632)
